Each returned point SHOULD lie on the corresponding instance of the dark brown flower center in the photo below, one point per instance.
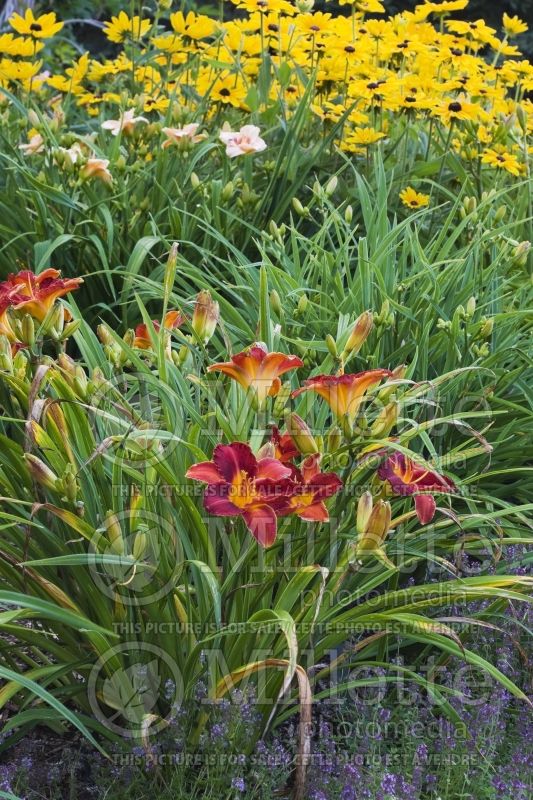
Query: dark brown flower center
(455, 107)
(36, 27)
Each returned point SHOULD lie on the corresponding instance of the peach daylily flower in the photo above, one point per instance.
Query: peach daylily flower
(187, 134)
(97, 168)
(35, 145)
(125, 124)
(243, 142)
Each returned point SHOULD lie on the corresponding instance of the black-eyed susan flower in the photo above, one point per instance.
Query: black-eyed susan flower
(413, 199)
(121, 28)
(503, 160)
(513, 26)
(43, 27)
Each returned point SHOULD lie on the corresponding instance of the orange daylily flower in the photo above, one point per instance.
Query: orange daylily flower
(173, 320)
(344, 393)
(36, 294)
(258, 369)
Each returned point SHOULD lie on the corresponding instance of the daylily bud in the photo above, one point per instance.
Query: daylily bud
(331, 185)
(299, 208)
(348, 214)
(486, 328)
(69, 484)
(334, 439)
(227, 191)
(104, 335)
(195, 180)
(385, 420)
(28, 330)
(170, 269)
(281, 399)
(471, 307)
(301, 435)
(205, 316)
(305, 6)
(521, 253)
(397, 374)
(376, 529)
(364, 509)
(358, 336)
(302, 304)
(139, 546)
(275, 302)
(500, 213)
(40, 472)
(332, 346)
(114, 532)
(522, 118)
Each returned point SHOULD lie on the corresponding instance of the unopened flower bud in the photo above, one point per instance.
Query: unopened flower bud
(301, 434)
(378, 526)
(385, 420)
(471, 307)
(364, 509)
(359, 334)
(28, 330)
(140, 544)
(298, 207)
(114, 532)
(334, 439)
(486, 328)
(205, 316)
(302, 304)
(195, 180)
(104, 334)
(40, 472)
(332, 346)
(275, 302)
(331, 185)
(348, 214)
(500, 213)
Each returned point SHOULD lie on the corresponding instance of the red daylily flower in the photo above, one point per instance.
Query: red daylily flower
(240, 485)
(284, 446)
(258, 369)
(6, 328)
(36, 294)
(312, 488)
(344, 393)
(406, 477)
(173, 320)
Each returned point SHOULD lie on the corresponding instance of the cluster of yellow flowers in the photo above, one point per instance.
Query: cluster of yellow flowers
(460, 78)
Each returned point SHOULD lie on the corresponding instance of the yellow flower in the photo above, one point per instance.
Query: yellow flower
(504, 160)
(18, 46)
(194, 26)
(365, 136)
(513, 25)
(122, 28)
(413, 199)
(42, 27)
